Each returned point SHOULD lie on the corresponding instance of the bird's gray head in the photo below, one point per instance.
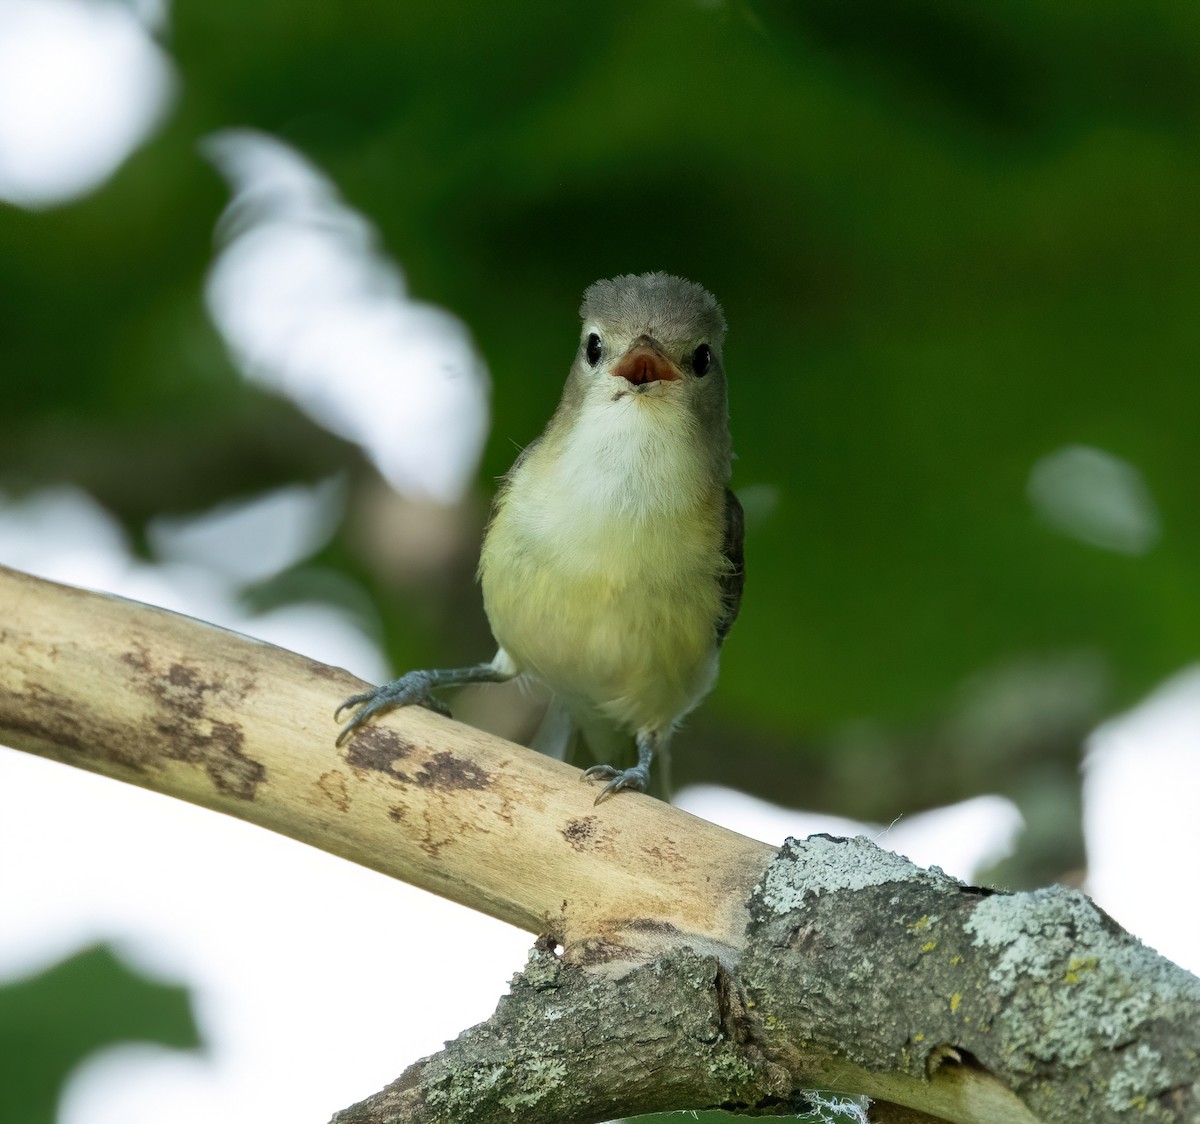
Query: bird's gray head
(651, 327)
(652, 343)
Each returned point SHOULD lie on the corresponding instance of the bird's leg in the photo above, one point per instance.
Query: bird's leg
(415, 688)
(637, 778)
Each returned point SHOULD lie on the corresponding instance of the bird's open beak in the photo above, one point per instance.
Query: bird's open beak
(645, 363)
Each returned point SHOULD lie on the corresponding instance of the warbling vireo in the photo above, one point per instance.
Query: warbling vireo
(612, 564)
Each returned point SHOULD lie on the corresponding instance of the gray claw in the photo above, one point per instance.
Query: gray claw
(353, 700)
(409, 690)
(637, 779)
(598, 772)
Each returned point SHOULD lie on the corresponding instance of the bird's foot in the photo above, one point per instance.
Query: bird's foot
(637, 778)
(413, 689)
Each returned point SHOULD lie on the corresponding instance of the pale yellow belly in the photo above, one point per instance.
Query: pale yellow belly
(626, 629)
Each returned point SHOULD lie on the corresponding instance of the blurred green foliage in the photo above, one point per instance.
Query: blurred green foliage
(51, 1022)
(949, 239)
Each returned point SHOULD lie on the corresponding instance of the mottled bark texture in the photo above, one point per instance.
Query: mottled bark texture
(861, 972)
(566, 1045)
(854, 953)
(679, 965)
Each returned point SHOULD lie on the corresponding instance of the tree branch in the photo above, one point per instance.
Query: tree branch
(698, 967)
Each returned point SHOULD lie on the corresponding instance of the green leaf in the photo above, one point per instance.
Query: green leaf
(51, 1022)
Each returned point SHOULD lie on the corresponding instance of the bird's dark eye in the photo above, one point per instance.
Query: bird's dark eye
(593, 349)
(701, 358)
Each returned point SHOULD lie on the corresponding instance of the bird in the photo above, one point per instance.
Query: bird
(612, 567)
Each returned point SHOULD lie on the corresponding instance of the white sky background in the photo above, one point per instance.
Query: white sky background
(81, 86)
(310, 308)
(317, 981)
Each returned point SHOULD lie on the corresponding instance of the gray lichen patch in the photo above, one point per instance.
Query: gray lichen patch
(515, 1084)
(826, 863)
(1071, 981)
(541, 1078)
(858, 955)
(1142, 1068)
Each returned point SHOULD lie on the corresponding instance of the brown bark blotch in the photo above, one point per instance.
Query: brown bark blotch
(229, 768)
(185, 731)
(444, 770)
(378, 749)
(652, 925)
(333, 785)
(1181, 1100)
(599, 950)
(137, 658)
(324, 671)
(805, 939)
(55, 725)
(735, 1020)
(665, 852)
(581, 833)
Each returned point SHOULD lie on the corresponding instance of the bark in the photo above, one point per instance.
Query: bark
(679, 965)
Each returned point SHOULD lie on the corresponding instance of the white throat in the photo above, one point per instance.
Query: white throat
(636, 455)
